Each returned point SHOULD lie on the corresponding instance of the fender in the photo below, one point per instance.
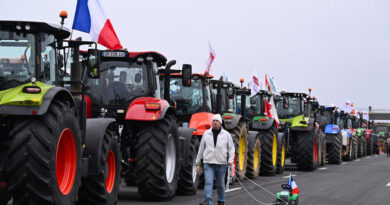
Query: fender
(88, 103)
(332, 129)
(59, 93)
(185, 136)
(93, 141)
(231, 120)
(138, 112)
(263, 125)
(309, 127)
(201, 122)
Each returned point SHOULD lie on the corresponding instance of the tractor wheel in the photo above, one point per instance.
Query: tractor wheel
(323, 150)
(375, 147)
(157, 159)
(240, 140)
(44, 157)
(335, 149)
(129, 177)
(254, 156)
(281, 155)
(269, 151)
(189, 179)
(369, 146)
(354, 148)
(103, 187)
(307, 151)
(364, 146)
(359, 147)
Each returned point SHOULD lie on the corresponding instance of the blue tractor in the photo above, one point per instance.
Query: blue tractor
(333, 135)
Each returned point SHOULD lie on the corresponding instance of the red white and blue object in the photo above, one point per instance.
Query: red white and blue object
(90, 18)
(293, 185)
(255, 84)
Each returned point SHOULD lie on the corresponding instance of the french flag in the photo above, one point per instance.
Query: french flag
(293, 185)
(90, 18)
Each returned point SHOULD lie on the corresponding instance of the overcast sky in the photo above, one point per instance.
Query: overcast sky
(339, 48)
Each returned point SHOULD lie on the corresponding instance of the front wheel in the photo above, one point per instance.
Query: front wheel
(103, 187)
(254, 156)
(307, 151)
(189, 179)
(240, 140)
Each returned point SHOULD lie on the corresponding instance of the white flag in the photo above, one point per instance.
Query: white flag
(347, 106)
(255, 84)
(210, 60)
(366, 116)
(274, 113)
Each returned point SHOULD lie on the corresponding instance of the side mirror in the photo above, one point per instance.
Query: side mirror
(186, 75)
(93, 64)
(285, 103)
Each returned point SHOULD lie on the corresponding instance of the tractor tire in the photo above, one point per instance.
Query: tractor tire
(280, 161)
(254, 156)
(240, 140)
(103, 187)
(189, 179)
(323, 151)
(44, 157)
(354, 148)
(375, 147)
(369, 146)
(307, 151)
(335, 149)
(364, 152)
(129, 177)
(269, 151)
(157, 159)
(359, 147)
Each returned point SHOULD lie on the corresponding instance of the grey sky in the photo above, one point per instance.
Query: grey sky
(339, 48)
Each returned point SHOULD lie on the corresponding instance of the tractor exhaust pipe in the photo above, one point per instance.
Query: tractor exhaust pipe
(167, 81)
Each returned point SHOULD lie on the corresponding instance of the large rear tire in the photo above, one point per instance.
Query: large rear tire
(354, 148)
(360, 148)
(44, 157)
(281, 155)
(189, 179)
(103, 187)
(322, 152)
(269, 151)
(335, 149)
(307, 151)
(240, 140)
(254, 156)
(157, 159)
(369, 146)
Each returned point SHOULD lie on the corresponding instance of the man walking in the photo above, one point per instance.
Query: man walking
(217, 151)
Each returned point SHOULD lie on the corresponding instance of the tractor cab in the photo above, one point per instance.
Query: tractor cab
(123, 77)
(382, 130)
(293, 105)
(327, 118)
(224, 96)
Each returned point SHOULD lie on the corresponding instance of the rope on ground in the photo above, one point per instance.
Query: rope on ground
(254, 198)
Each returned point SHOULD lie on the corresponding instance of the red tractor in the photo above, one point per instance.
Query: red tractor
(154, 149)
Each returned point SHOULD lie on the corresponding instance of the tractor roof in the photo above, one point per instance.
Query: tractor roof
(294, 94)
(230, 84)
(160, 59)
(35, 27)
(179, 75)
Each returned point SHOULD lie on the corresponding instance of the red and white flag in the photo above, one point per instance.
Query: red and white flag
(293, 185)
(255, 84)
(267, 85)
(90, 18)
(270, 110)
(210, 60)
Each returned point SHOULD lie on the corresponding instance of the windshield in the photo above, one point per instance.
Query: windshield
(255, 106)
(119, 83)
(326, 118)
(384, 129)
(294, 108)
(228, 101)
(188, 100)
(340, 122)
(17, 51)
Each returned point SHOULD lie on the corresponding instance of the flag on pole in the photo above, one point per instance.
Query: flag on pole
(293, 185)
(347, 106)
(267, 85)
(274, 113)
(255, 84)
(366, 116)
(90, 18)
(274, 88)
(210, 60)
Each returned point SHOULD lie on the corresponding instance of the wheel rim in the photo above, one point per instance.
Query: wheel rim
(241, 155)
(274, 150)
(66, 161)
(283, 154)
(256, 158)
(170, 158)
(110, 179)
(194, 170)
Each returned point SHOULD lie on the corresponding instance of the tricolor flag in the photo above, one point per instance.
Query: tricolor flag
(210, 60)
(293, 185)
(255, 84)
(90, 18)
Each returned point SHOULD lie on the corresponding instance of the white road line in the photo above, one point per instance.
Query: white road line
(357, 160)
(368, 157)
(388, 184)
(344, 163)
(234, 189)
(285, 177)
(323, 168)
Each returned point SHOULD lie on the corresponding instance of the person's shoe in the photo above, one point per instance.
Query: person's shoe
(221, 203)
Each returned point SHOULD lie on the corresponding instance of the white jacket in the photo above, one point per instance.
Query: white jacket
(217, 154)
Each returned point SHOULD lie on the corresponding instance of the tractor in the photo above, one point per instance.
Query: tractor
(50, 152)
(369, 138)
(349, 140)
(154, 148)
(381, 132)
(300, 128)
(361, 136)
(332, 134)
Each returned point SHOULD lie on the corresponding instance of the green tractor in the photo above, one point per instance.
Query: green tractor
(50, 152)
(301, 130)
(360, 125)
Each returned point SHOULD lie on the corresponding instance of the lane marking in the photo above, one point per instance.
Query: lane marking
(323, 168)
(357, 160)
(368, 157)
(344, 163)
(388, 184)
(234, 189)
(285, 177)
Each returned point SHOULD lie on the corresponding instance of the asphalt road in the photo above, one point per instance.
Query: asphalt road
(363, 181)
